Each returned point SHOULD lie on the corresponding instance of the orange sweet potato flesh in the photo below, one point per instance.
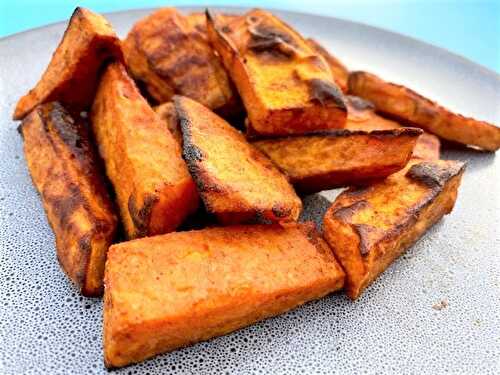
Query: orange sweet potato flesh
(339, 71)
(65, 171)
(236, 181)
(170, 291)
(327, 160)
(73, 72)
(362, 116)
(409, 107)
(169, 54)
(154, 189)
(286, 87)
(369, 227)
(167, 113)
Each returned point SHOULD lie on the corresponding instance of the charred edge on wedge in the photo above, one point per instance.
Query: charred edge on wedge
(141, 217)
(326, 93)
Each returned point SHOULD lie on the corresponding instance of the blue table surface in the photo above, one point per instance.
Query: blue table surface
(468, 28)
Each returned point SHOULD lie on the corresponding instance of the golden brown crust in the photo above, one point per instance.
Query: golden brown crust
(72, 74)
(65, 171)
(235, 180)
(286, 87)
(362, 116)
(169, 54)
(339, 71)
(369, 227)
(406, 105)
(154, 190)
(170, 291)
(326, 160)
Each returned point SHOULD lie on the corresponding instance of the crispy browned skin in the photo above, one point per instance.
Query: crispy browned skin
(339, 70)
(170, 291)
(64, 169)
(326, 160)
(170, 55)
(167, 113)
(368, 228)
(143, 161)
(235, 180)
(72, 74)
(286, 87)
(362, 116)
(406, 105)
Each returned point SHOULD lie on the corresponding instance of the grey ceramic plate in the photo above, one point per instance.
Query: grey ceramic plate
(46, 327)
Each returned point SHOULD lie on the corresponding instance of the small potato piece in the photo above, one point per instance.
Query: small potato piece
(407, 106)
(236, 181)
(362, 116)
(64, 169)
(143, 161)
(170, 55)
(170, 291)
(327, 160)
(369, 227)
(167, 113)
(339, 71)
(286, 87)
(73, 72)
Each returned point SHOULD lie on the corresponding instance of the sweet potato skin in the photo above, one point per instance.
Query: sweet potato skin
(236, 181)
(154, 190)
(73, 72)
(369, 227)
(339, 71)
(362, 116)
(65, 171)
(170, 291)
(410, 107)
(327, 160)
(169, 54)
(285, 86)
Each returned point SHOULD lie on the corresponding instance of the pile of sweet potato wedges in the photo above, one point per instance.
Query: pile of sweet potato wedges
(217, 122)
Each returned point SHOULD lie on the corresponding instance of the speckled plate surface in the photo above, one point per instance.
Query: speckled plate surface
(400, 325)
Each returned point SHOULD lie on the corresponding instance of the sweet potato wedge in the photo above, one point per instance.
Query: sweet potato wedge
(167, 113)
(170, 291)
(362, 116)
(409, 107)
(335, 158)
(66, 173)
(369, 227)
(169, 55)
(286, 87)
(143, 161)
(73, 72)
(339, 71)
(236, 181)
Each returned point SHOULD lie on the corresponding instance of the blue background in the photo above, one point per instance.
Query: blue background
(469, 28)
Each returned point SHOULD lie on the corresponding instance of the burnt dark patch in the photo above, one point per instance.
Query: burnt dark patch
(326, 93)
(269, 39)
(364, 231)
(280, 211)
(141, 216)
(434, 175)
(64, 206)
(360, 104)
(346, 213)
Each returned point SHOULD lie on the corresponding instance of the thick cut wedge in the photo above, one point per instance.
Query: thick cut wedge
(235, 180)
(368, 228)
(65, 171)
(362, 116)
(170, 291)
(339, 70)
(286, 87)
(326, 160)
(73, 72)
(154, 189)
(170, 55)
(409, 107)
